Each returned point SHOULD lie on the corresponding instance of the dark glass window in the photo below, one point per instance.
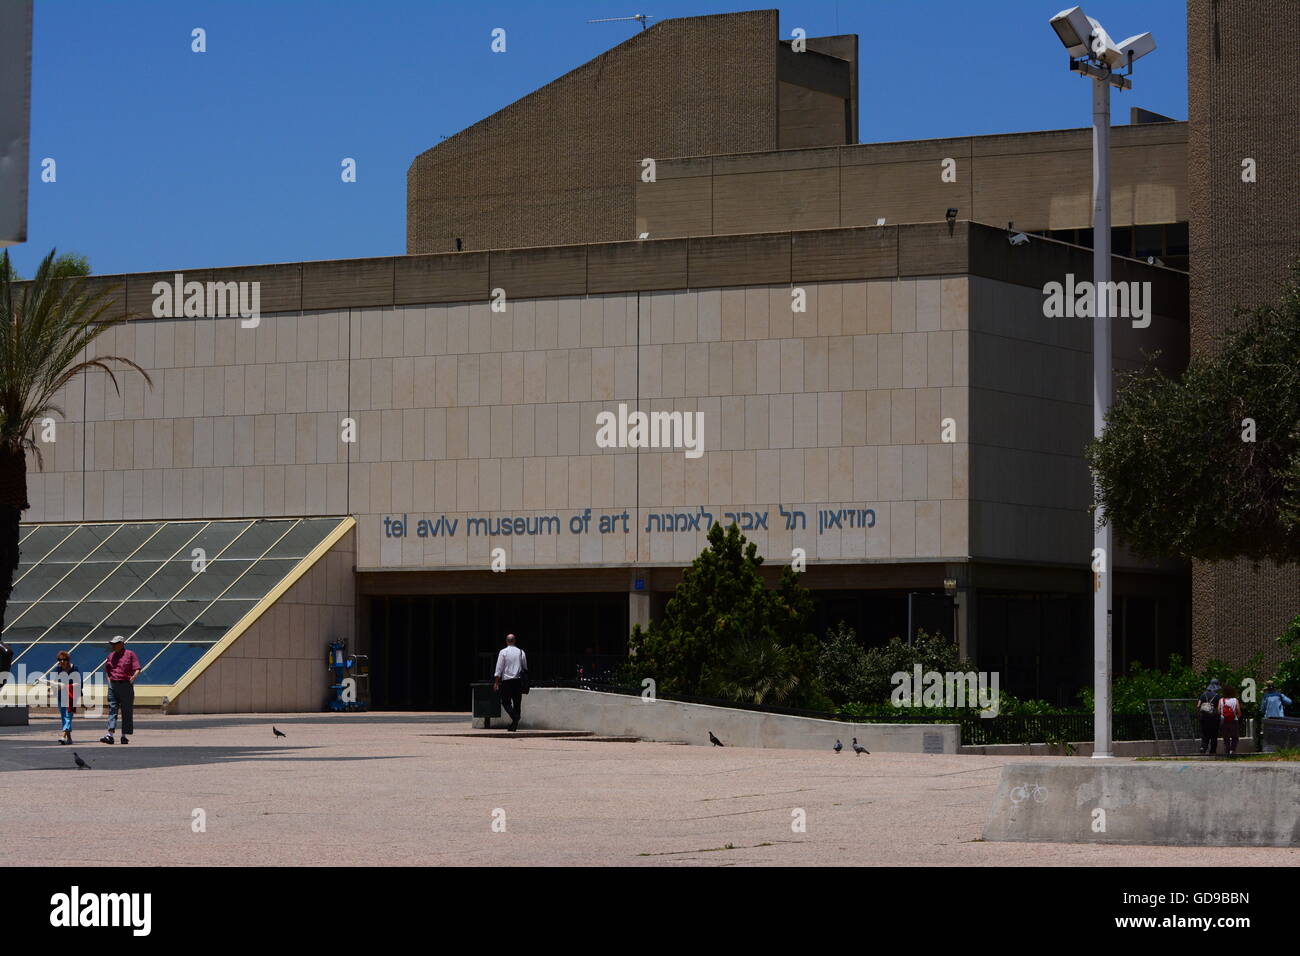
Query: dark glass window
(1121, 241)
(84, 540)
(170, 665)
(40, 542)
(213, 580)
(1176, 239)
(33, 585)
(254, 542)
(168, 541)
(124, 581)
(217, 620)
(261, 579)
(302, 538)
(1150, 241)
(214, 539)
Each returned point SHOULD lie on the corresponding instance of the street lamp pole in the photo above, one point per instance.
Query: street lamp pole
(1101, 394)
(1095, 55)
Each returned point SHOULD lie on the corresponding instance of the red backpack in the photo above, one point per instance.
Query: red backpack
(1229, 712)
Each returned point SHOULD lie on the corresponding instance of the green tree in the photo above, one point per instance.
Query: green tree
(1177, 476)
(842, 666)
(1288, 672)
(67, 265)
(724, 633)
(46, 327)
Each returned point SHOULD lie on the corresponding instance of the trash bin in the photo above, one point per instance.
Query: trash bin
(485, 703)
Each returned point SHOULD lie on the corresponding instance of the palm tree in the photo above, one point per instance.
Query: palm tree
(46, 329)
(758, 669)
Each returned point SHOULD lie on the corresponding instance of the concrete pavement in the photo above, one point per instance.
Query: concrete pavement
(423, 789)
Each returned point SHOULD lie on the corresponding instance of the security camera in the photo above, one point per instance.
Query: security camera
(1019, 239)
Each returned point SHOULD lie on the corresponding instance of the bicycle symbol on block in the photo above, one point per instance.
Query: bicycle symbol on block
(1026, 791)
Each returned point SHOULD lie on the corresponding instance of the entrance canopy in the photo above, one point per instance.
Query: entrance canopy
(179, 591)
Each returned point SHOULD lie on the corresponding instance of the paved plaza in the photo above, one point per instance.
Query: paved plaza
(424, 789)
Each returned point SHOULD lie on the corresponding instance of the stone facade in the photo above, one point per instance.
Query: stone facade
(1243, 91)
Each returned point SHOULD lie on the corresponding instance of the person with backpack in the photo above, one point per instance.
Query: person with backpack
(1230, 711)
(1207, 708)
(1273, 701)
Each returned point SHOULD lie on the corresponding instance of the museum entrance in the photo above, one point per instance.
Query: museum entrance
(425, 650)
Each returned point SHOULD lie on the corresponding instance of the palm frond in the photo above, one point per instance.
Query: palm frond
(48, 328)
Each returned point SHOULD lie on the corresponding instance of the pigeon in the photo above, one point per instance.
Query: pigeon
(81, 764)
(838, 747)
(277, 732)
(714, 740)
(859, 749)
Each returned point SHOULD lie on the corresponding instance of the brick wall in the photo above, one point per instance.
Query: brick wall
(1243, 92)
(559, 165)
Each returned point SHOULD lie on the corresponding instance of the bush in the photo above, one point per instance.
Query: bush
(1130, 692)
(1008, 706)
(933, 652)
(842, 665)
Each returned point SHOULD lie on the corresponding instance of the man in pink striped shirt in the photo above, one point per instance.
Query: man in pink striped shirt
(121, 668)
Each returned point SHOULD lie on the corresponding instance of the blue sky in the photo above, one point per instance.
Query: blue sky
(173, 159)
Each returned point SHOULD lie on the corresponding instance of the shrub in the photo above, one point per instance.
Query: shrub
(1130, 692)
(933, 652)
(842, 665)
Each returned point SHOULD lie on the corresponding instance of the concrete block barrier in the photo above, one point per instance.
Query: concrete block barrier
(556, 708)
(1170, 803)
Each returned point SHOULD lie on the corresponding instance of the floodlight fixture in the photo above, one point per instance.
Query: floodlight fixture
(880, 221)
(1136, 47)
(1019, 239)
(1075, 30)
(1092, 51)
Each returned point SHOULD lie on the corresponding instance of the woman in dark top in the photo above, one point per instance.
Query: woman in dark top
(68, 683)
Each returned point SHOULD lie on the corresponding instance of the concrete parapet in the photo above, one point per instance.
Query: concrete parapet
(670, 720)
(1171, 803)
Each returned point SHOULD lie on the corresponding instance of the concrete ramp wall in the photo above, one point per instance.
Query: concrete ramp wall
(555, 708)
(1172, 803)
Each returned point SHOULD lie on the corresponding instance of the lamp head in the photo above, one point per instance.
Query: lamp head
(1074, 29)
(1136, 47)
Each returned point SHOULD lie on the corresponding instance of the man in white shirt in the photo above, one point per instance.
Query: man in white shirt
(508, 681)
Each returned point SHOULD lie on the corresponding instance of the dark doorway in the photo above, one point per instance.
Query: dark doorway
(425, 650)
(878, 616)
